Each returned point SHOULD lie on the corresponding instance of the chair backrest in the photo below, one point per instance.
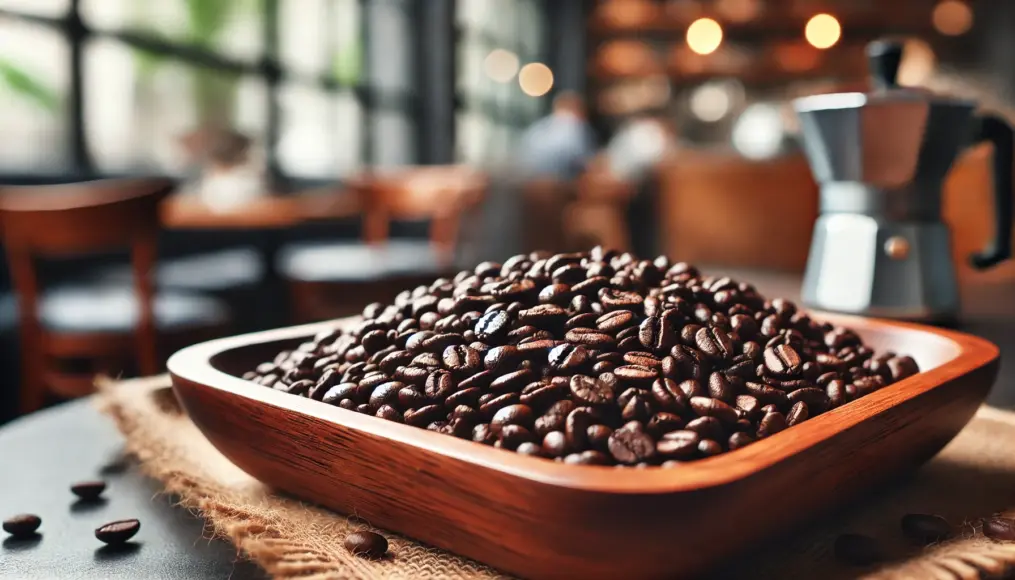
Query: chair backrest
(82, 218)
(440, 193)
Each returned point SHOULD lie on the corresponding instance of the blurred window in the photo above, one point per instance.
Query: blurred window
(329, 83)
(496, 39)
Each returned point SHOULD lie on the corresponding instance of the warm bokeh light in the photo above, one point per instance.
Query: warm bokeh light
(536, 79)
(952, 17)
(918, 63)
(501, 65)
(704, 36)
(823, 31)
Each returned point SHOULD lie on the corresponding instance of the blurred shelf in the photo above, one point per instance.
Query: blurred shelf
(187, 211)
(626, 17)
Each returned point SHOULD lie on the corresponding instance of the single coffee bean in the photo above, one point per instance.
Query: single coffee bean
(997, 528)
(629, 446)
(797, 414)
(22, 525)
(748, 404)
(482, 433)
(678, 445)
(708, 407)
(782, 360)
(88, 490)
(816, 399)
(591, 391)
(493, 326)
(576, 428)
(715, 343)
(662, 423)
(925, 528)
(638, 408)
(366, 544)
(709, 448)
(767, 394)
(740, 439)
(707, 428)
(568, 358)
(555, 444)
(857, 550)
(512, 415)
(657, 333)
(511, 436)
(502, 358)
(466, 396)
(771, 424)
(424, 415)
(529, 448)
(599, 437)
(590, 338)
(115, 533)
(719, 387)
(615, 321)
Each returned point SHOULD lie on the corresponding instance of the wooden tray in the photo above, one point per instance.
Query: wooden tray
(541, 519)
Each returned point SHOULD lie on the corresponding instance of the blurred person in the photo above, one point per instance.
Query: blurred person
(559, 145)
(631, 157)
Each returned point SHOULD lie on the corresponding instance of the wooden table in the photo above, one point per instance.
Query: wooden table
(187, 211)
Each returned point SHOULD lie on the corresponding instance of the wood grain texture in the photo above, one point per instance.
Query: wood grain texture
(541, 519)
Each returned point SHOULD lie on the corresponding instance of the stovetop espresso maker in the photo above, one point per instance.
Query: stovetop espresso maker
(880, 247)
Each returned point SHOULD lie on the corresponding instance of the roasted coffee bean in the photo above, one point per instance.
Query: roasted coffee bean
(512, 415)
(740, 439)
(644, 360)
(545, 316)
(576, 428)
(462, 360)
(529, 448)
(555, 444)
(588, 457)
(388, 412)
(691, 388)
(366, 544)
(709, 407)
(408, 375)
(767, 394)
(635, 375)
(782, 360)
(715, 343)
(662, 423)
(492, 326)
(719, 387)
(925, 528)
(559, 294)
(997, 528)
(748, 404)
(709, 448)
(116, 533)
(482, 433)
(466, 415)
(816, 399)
(615, 321)
(613, 299)
(857, 550)
(590, 338)
(681, 445)
(588, 390)
(489, 408)
(22, 525)
(424, 415)
(638, 408)
(88, 490)
(706, 427)
(669, 397)
(511, 436)
(568, 359)
(465, 396)
(797, 414)
(502, 358)
(512, 382)
(599, 437)
(629, 446)
(657, 333)
(771, 424)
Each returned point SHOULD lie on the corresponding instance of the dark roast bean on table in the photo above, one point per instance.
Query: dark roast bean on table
(22, 525)
(925, 528)
(118, 532)
(594, 358)
(88, 490)
(366, 544)
(999, 528)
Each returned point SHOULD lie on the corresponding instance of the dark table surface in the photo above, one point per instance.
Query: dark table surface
(42, 455)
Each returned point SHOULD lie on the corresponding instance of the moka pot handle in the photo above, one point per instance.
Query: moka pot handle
(994, 129)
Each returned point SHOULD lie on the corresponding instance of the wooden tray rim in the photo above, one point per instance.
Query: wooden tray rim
(192, 365)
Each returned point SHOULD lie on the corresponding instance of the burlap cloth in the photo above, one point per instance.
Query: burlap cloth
(972, 478)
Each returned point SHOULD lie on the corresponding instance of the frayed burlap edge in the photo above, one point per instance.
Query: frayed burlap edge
(258, 524)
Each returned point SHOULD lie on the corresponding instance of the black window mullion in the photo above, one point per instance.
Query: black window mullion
(272, 73)
(77, 34)
(364, 91)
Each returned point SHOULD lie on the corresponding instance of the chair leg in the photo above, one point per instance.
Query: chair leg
(33, 389)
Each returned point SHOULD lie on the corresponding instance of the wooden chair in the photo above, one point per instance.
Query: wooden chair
(103, 324)
(331, 279)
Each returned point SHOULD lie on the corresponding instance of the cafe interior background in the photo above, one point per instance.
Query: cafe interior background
(327, 153)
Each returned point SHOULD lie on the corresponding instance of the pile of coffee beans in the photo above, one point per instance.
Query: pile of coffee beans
(589, 358)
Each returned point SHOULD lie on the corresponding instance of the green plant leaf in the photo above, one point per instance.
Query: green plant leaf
(207, 18)
(346, 65)
(30, 88)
